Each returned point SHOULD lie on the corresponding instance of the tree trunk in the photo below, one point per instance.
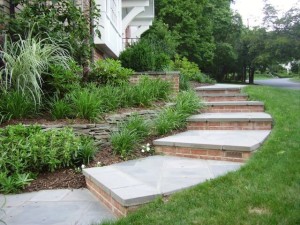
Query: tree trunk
(244, 72)
(12, 9)
(251, 75)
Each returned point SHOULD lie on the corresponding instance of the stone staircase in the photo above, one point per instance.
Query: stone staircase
(216, 142)
(228, 130)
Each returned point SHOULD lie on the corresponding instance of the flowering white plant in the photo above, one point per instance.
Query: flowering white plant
(146, 148)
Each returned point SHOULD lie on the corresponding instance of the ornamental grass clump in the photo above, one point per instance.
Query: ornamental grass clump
(16, 105)
(173, 118)
(26, 60)
(130, 134)
(188, 103)
(85, 103)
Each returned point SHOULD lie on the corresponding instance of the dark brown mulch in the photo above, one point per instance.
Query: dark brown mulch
(69, 178)
(64, 178)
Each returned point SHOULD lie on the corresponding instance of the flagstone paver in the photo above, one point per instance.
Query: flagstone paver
(53, 207)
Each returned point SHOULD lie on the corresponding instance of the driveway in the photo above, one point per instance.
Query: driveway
(279, 82)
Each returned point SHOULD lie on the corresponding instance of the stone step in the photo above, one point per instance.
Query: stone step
(234, 106)
(230, 121)
(125, 186)
(220, 89)
(223, 97)
(230, 145)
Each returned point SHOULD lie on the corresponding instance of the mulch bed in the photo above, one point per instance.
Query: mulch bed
(69, 178)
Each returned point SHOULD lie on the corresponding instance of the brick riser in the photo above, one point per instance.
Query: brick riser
(234, 91)
(207, 154)
(258, 125)
(231, 108)
(115, 207)
(223, 98)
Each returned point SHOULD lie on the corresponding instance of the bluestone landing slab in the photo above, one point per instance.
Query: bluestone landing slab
(233, 103)
(220, 87)
(230, 117)
(216, 139)
(53, 207)
(139, 181)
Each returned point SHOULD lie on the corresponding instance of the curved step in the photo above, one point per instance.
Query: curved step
(230, 121)
(125, 186)
(213, 144)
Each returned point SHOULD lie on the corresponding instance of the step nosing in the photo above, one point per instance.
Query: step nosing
(208, 146)
(223, 95)
(219, 89)
(234, 103)
(229, 119)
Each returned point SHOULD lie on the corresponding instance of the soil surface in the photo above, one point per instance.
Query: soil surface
(73, 178)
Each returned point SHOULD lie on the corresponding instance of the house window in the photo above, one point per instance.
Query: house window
(114, 11)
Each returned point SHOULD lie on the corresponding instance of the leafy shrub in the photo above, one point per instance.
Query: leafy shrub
(85, 103)
(144, 56)
(138, 57)
(60, 108)
(110, 71)
(27, 150)
(26, 61)
(63, 80)
(16, 105)
(189, 71)
(154, 50)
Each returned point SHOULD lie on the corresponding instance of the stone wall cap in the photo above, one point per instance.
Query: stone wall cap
(153, 73)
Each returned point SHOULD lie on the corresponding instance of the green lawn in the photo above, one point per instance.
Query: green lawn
(265, 191)
(263, 77)
(296, 79)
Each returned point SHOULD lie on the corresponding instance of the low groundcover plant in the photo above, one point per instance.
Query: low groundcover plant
(26, 151)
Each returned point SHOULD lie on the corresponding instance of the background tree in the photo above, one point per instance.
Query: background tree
(189, 22)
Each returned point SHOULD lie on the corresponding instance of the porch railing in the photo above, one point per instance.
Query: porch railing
(127, 42)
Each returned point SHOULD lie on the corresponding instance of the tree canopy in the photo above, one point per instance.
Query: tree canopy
(210, 34)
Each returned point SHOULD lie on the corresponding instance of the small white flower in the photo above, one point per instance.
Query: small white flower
(143, 146)
(143, 150)
(82, 166)
(148, 149)
(148, 145)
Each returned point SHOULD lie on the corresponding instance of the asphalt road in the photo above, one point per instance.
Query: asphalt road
(279, 82)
